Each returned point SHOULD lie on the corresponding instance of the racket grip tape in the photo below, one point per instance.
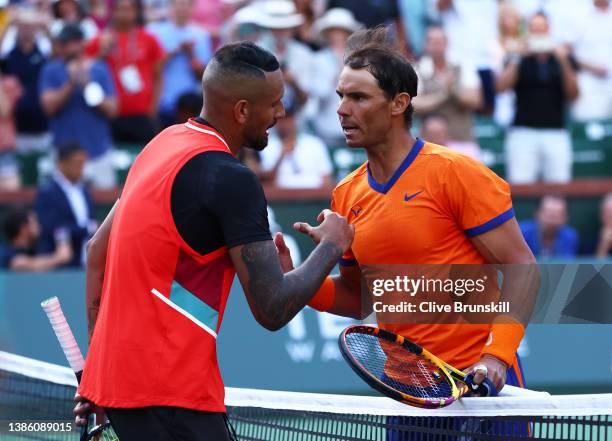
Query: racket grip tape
(62, 330)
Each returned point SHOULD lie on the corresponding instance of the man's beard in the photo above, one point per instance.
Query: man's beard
(257, 144)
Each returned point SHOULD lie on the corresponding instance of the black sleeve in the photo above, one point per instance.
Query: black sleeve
(217, 201)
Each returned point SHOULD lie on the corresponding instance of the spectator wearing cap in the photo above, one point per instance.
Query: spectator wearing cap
(280, 19)
(295, 159)
(25, 62)
(22, 230)
(593, 52)
(375, 12)
(136, 59)
(544, 81)
(188, 49)
(78, 96)
(449, 89)
(548, 235)
(71, 11)
(64, 205)
(334, 27)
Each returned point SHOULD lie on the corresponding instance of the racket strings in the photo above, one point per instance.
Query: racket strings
(398, 367)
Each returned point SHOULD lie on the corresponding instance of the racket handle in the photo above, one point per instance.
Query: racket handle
(64, 334)
(485, 389)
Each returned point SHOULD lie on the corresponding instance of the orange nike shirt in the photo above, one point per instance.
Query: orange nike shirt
(426, 214)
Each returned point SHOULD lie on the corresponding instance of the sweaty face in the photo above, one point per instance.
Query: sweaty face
(364, 110)
(265, 109)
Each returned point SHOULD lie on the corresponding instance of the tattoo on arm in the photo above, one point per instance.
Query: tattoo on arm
(276, 297)
(92, 315)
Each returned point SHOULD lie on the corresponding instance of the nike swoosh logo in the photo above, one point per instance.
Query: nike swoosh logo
(407, 198)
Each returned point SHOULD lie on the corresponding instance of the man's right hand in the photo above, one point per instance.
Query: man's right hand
(332, 228)
(84, 408)
(63, 252)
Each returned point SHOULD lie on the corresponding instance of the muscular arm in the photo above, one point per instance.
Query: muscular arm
(349, 301)
(96, 264)
(506, 247)
(275, 298)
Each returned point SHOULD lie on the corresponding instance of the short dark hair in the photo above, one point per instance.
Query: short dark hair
(245, 58)
(68, 149)
(14, 221)
(374, 50)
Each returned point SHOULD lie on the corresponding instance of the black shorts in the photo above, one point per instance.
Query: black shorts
(162, 423)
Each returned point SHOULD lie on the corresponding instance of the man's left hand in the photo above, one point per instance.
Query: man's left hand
(493, 368)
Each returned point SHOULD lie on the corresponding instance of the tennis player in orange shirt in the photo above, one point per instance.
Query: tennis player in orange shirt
(414, 202)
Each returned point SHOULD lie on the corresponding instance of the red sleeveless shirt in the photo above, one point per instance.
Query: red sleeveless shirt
(162, 303)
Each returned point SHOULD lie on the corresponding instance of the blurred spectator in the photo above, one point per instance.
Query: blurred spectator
(135, 58)
(593, 52)
(434, 128)
(71, 11)
(188, 106)
(334, 28)
(305, 33)
(9, 171)
(188, 49)
(25, 61)
(413, 14)
(4, 15)
(452, 90)
(64, 206)
(22, 230)
(243, 25)
(547, 235)
(211, 14)
(471, 26)
(511, 40)
(544, 81)
(294, 158)
(280, 18)
(373, 13)
(604, 244)
(29, 16)
(77, 94)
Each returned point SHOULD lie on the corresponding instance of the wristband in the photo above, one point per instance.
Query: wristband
(504, 339)
(324, 299)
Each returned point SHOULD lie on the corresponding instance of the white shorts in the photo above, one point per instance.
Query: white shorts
(534, 153)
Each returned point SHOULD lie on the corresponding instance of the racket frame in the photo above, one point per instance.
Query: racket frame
(451, 374)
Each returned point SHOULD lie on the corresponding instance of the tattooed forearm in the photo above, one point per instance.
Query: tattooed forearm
(92, 316)
(276, 298)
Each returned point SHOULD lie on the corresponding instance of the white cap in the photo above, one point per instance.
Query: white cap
(337, 18)
(279, 14)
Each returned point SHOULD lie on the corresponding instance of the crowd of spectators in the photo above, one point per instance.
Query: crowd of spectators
(80, 77)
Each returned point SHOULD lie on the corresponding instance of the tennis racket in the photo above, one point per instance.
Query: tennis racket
(404, 371)
(53, 309)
